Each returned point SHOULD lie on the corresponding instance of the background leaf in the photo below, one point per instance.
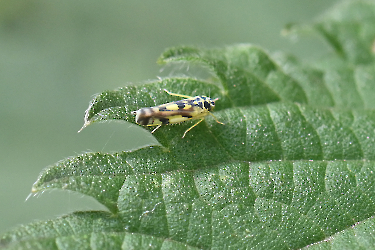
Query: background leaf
(83, 230)
(292, 166)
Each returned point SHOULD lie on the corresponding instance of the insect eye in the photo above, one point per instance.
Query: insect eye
(207, 105)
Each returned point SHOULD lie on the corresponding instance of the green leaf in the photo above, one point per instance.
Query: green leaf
(83, 230)
(292, 166)
(349, 29)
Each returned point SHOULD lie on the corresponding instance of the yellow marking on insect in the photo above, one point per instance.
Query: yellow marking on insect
(197, 107)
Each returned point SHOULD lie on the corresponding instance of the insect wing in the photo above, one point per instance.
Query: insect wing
(168, 113)
(178, 111)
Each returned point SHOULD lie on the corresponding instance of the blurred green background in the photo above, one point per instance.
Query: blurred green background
(56, 54)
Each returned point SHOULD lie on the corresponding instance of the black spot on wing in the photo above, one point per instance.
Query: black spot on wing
(164, 120)
(200, 104)
(191, 102)
(180, 105)
(143, 120)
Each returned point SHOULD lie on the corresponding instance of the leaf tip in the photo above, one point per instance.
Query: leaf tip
(30, 194)
(86, 123)
(84, 126)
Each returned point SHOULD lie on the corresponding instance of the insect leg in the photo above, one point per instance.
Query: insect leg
(155, 129)
(216, 119)
(170, 93)
(192, 127)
